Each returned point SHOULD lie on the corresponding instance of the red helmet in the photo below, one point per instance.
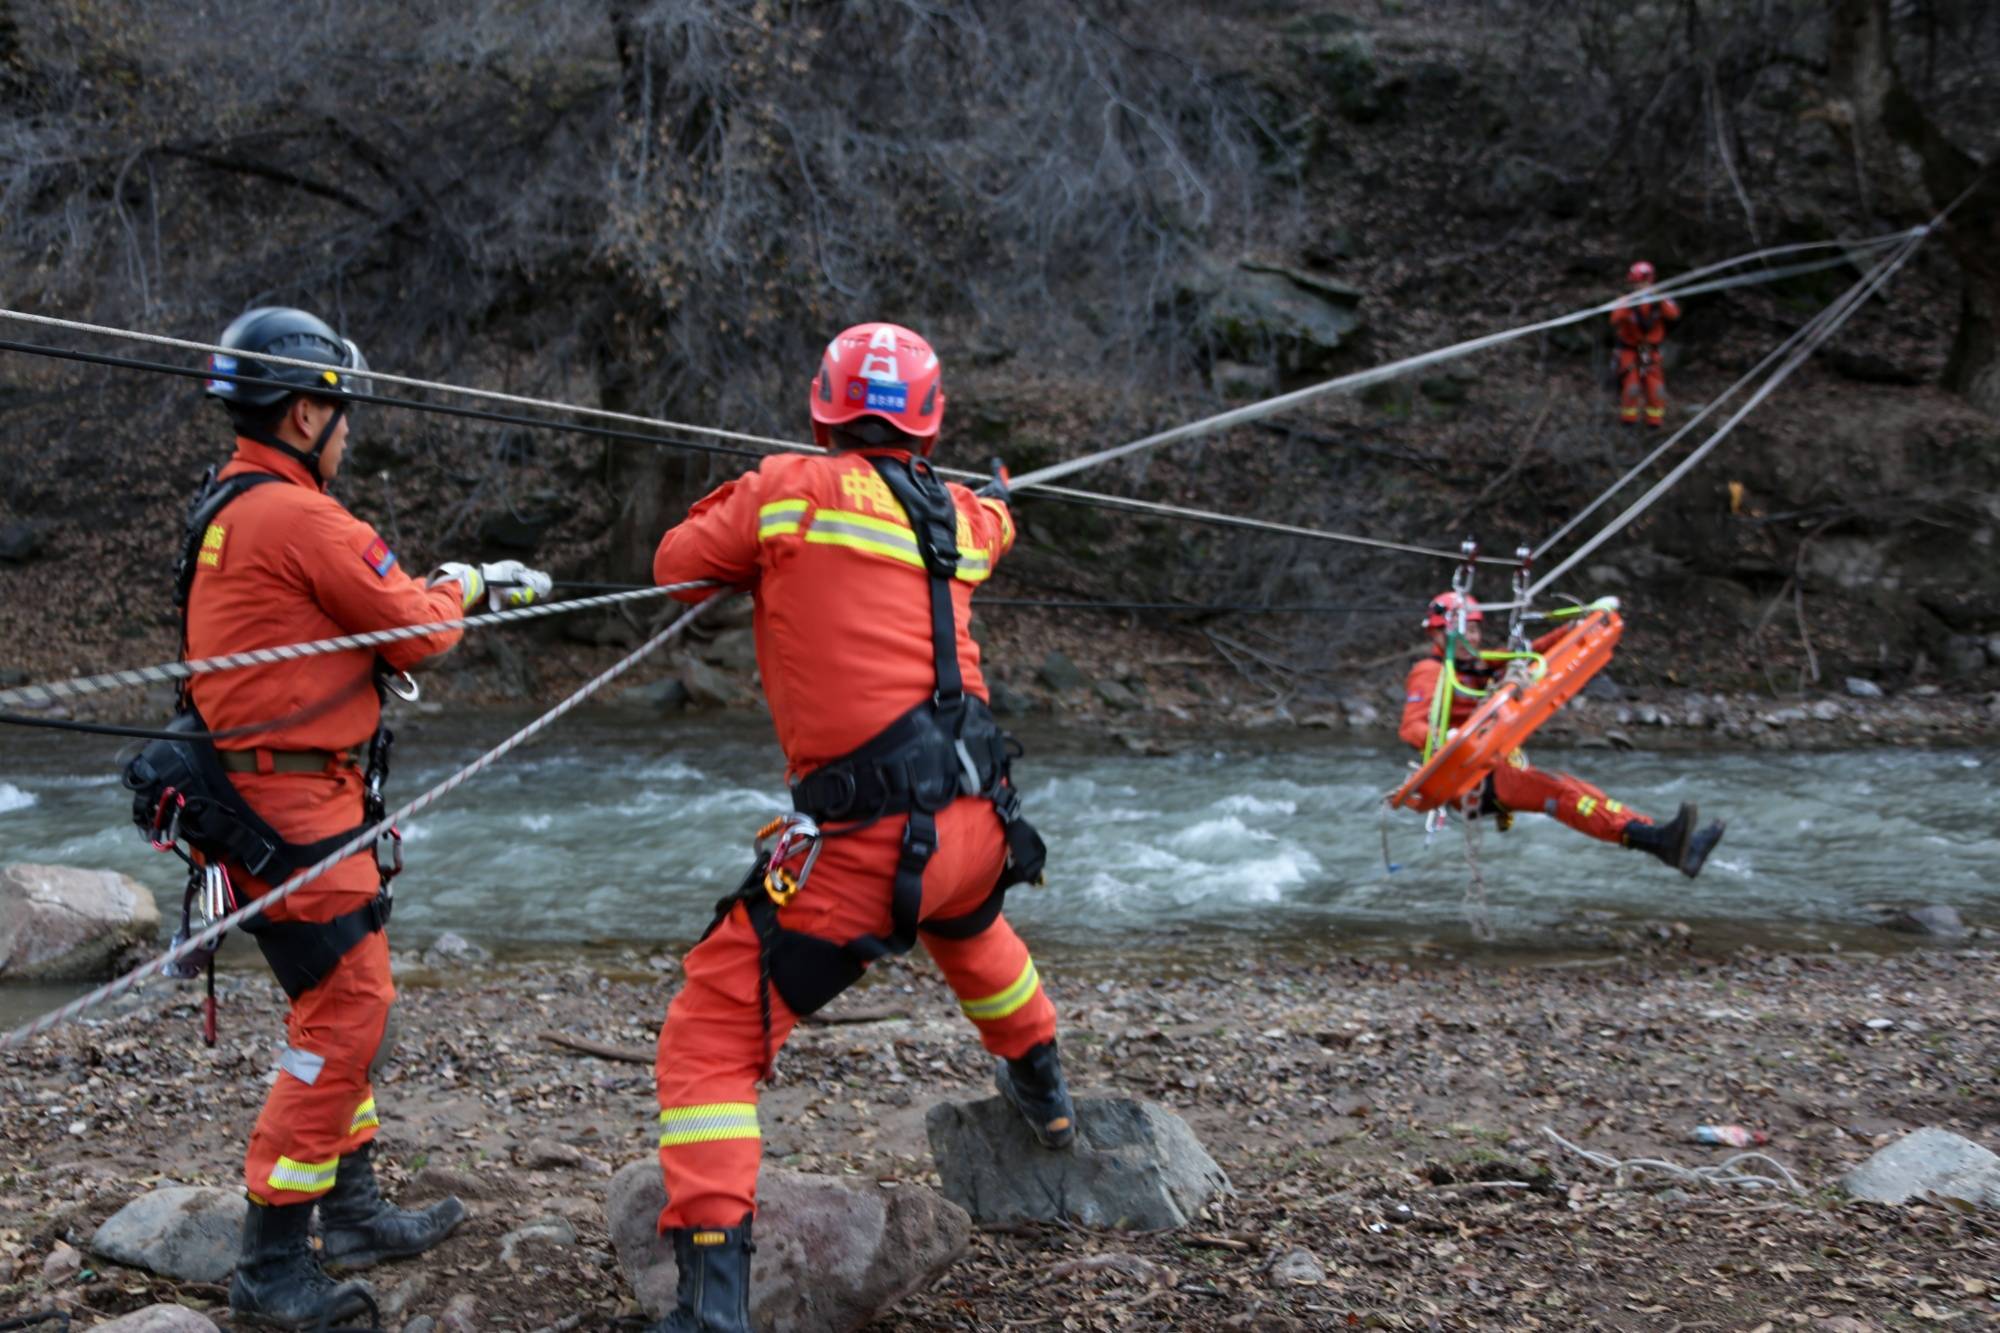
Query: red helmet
(1444, 609)
(883, 371)
(1639, 274)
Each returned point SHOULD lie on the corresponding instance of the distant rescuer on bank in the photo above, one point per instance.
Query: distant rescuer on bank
(273, 559)
(1639, 324)
(1515, 787)
(907, 825)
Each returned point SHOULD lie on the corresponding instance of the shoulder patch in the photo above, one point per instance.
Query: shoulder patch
(379, 557)
(212, 542)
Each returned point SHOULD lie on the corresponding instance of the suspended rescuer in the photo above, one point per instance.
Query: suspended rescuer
(1639, 324)
(1515, 787)
(270, 559)
(907, 825)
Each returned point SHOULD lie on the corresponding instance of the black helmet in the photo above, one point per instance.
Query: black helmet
(283, 331)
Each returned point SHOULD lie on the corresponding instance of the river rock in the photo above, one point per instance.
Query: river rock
(60, 923)
(1936, 919)
(832, 1253)
(551, 1155)
(160, 1319)
(549, 1230)
(180, 1231)
(1862, 688)
(461, 1315)
(1298, 1266)
(734, 650)
(665, 696)
(709, 686)
(1060, 674)
(62, 1263)
(1135, 1165)
(1115, 695)
(1928, 1161)
(452, 949)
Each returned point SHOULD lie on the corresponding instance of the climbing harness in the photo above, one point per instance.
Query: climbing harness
(207, 936)
(947, 747)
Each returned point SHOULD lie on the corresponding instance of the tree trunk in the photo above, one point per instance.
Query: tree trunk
(1908, 169)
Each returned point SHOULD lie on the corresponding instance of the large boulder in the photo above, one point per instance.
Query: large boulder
(1937, 919)
(1135, 1165)
(1261, 313)
(160, 1319)
(59, 923)
(179, 1231)
(1929, 1161)
(832, 1254)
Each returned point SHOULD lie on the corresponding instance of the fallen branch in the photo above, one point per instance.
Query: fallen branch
(626, 1054)
(1144, 1269)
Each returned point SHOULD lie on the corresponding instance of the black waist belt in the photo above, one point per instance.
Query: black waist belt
(914, 764)
(304, 953)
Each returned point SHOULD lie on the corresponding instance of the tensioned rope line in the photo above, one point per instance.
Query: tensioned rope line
(1838, 315)
(1088, 604)
(1686, 284)
(207, 937)
(1714, 405)
(43, 695)
(744, 437)
(1250, 412)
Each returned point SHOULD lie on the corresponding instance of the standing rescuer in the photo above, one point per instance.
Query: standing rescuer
(907, 824)
(272, 559)
(1640, 326)
(1515, 786)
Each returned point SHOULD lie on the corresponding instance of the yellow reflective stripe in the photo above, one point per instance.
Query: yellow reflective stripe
(975, 565)
(780, 517)
(303, 1177)
(708, 1123)
(865, 532)
(1007, 1001)
(1586, 804)
(1000, 511)
(364, 1117)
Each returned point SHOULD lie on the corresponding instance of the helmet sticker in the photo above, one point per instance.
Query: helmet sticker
(888, 396)
(222, 365)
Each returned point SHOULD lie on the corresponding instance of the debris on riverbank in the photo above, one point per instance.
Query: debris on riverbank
(1381, 1122)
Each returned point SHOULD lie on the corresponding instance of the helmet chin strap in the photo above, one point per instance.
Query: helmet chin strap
(309, 457)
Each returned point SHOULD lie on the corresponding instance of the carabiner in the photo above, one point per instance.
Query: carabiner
(409, 695)
(389, 853)
(788, 835)
(160, 818)
(1517, 634)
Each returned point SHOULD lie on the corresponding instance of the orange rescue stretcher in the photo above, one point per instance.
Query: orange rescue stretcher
(1499, 726)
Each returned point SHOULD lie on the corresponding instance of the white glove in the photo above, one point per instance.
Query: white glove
(1604, 604)
(504, 583)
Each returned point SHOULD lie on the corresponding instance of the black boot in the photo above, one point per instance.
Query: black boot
(1034, 1083)
(713, 1291)
(278, 1282)
(361, 1227)
(1678, 843)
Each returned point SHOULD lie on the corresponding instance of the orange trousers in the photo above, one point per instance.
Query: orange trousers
(1641, 380)
(322, 1105)
(712, 1047)
(1524, 789)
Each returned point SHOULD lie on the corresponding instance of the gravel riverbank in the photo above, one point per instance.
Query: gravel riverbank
(1389, 1119)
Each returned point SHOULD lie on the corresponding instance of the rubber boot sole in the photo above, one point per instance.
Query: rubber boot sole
(1699, 846)
(358, 1305)
(1036, 1117)
(450, 1209)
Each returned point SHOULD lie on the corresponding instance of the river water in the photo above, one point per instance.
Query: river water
(623, 828)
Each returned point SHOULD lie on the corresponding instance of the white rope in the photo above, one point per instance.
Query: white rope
(1830, 322)
(1722, 1174)
(40, 696)
(1257, 411)
(214, 932)
(1713, 405)
(1686, 284)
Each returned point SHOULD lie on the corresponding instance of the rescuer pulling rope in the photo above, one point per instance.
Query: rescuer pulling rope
(271, 559)
(1640, 325)
(907, 825)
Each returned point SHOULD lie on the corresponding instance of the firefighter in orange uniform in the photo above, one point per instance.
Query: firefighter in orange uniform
(274, 559)
(1640, 326)
(1515, 786)
(907, 824)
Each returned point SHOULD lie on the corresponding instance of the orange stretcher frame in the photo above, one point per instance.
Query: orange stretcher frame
(1499, 726)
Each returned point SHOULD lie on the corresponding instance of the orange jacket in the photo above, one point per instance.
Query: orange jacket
(1643, 323)
(287, 563)
(843, 604)
(1420, 687)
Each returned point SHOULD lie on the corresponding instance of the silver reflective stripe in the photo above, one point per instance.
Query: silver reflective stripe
(900, 540)
(302, 1065)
